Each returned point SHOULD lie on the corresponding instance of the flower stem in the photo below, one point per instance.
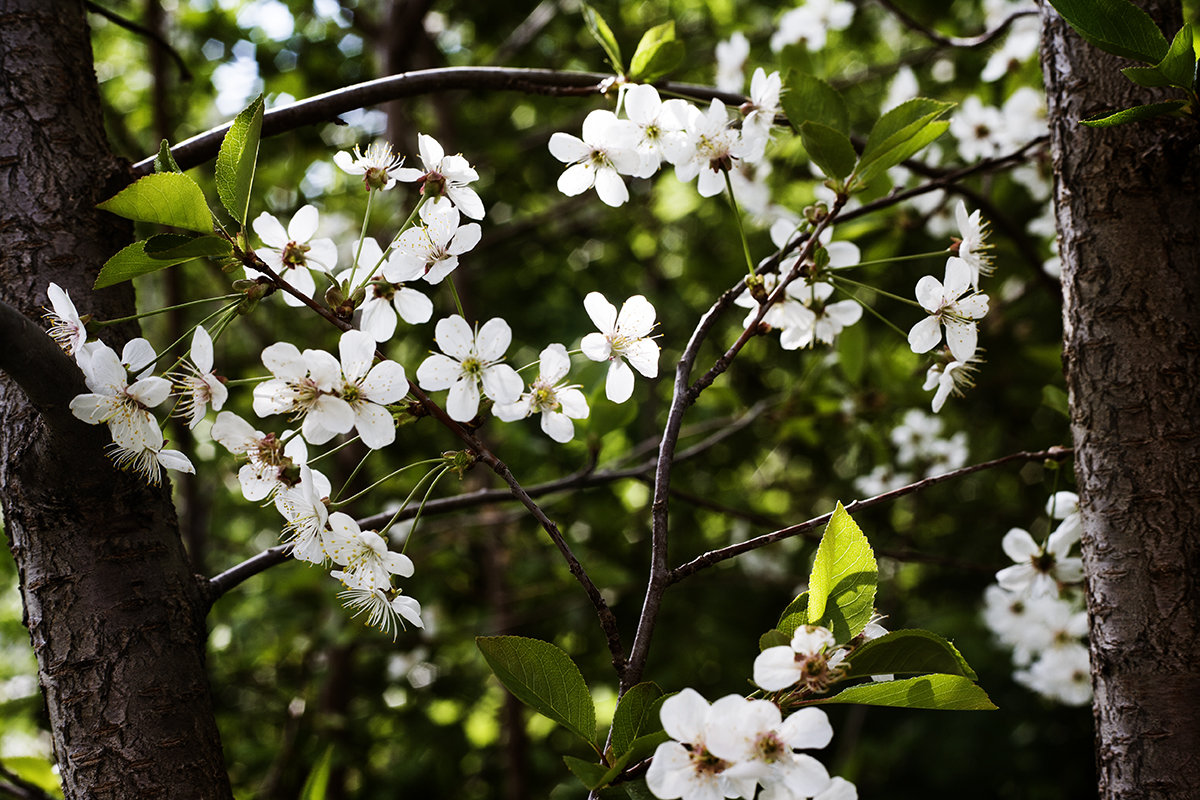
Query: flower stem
(454, 291)
(737, 216)
(912, 257)
(873, 312)
(381, 481)
(836, 279)
(104, 322)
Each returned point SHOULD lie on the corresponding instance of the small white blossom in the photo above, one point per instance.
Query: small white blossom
(1065, 506)
(810, 23)
(762, 108)
(386, 614)
(119, 404)
(948, 307)
(623, 337)
(468, 362)
(66, 327)
(710, 148)
(654, 129)
(199, 386)
(386, 296)
(805, 660)
(973, 247)
(1038, 570)
(292, 252)
(598, 159)
(306, 386)
(378, 166)
(1063, 674)
(684, 767)
(305, 514)
(549, 395)
(268, 459)
(364, 554)
(948, 379)
(444, 176)
(431, 250)
(731, 56)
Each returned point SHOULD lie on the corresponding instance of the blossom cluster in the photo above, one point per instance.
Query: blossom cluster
(1036, 607)
(921, 451)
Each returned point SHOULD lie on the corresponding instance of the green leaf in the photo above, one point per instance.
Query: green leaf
(589, 773)
(237, 159)
(657, 53)
(635, 712)
(1179, 64)
(810, 99)
(1115, 26)
(829, 149)
(158, 252)
(1135, 114)
(852, 352)
(164, 161)
(841, 587)
(773, 638)
(795, 615)
(1149, 77)
(603, 34)
(1055, 398)
(899, 133)
(936, 692)
(317, 783)
(906, 652)
(544, 678)
(640, 749)
(168, 198)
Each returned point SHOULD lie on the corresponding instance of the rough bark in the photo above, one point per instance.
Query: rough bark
(1128, 206)
(115, 617)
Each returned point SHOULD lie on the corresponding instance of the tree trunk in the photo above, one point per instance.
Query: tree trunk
(115, 616)
(1128, 210)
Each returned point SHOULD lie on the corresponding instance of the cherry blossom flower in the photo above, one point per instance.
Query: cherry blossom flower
(973, 247)
(386, 614)
(804, 660)
(598, 159)
(623, 337)
(684, 767)
(444, 176)
(760, 113)
(368, 563)
(1065, 506)
(810, 23)
(1063, 674)
(367, 389)
(270, 464)
(119, 404)
(839, 789)
(710, 148)
(468, 362)
(386, 297)
(378, 166)
(654, 129)
(292, 252)
(1038, 570)
(731, 56)
(431, 250)
(824, 320)
(199, 386)
(305, 514)
(306, 386)
(948, 307)
(66, 327)
(149, 458)
(761, 745)
(979, 130)
(550, 396)
(947, 379)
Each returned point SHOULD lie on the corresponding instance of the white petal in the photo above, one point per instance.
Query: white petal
(574, 404)
(602, 312)
(807, 729)
(431, 151)
(454, 336)
(493, 339)
(378, 319)
(385, 383)
(930, 294)
(683, 716)
(1019, 545)
(576, 179)
(234, 433)
(554, 363)
(502, 383)
(610, 188)
(925, 335)
(138, 352)
(463, 400)
(438, 372)
(374, 424)
(284, 361)
(596, 347)
(412, 306)
(643, 356)
(558, 426)
(269, 230)
(173, 459)
(958, 276)
(962, 339)
(618, 387)
(202, 349)
(357, 351)
(568, 149)
(775, 668)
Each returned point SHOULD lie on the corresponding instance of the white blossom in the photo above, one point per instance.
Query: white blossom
(66, 327)
(761, 746)
(709, 149)
(444, 176)
(760, 113)
(431, 250)
(731, 56)
(470, 361)
(805, 660)
(378, 166)
(268, 460)
(364, 554)
(306, 386)
(291, 253)
(1038, 570)
(809, 23)
(198, 386)
(684, 767)
(386, 296)
(598, 159)
(1063, 674)
(654, 129)
(622, 337)
(948, 307)
(367, 389)
(305, 514)
(551, 396)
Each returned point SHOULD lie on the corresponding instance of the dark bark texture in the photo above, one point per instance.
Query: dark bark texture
(115, 616)
(1128, 206)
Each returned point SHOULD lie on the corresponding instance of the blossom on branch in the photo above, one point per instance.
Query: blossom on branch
(549, 395)
(599, 159)
(623, 337)
(378, 166)
(292, 252)
(949, 305)
(198, 385)
(444, 176)
(468, 362)
(66, 327)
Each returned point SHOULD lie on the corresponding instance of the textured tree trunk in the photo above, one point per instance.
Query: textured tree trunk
(115, 616)
(1128, 206)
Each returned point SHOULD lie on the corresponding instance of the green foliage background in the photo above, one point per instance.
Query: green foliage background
(293, 677)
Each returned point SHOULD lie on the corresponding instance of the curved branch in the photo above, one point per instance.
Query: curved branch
(716, 556)
(326, 107)
(220, 584)
(141, 30)
(968, 42)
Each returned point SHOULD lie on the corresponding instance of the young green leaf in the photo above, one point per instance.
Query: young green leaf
(590, 773)
(795, 615)
(1179, 64)
(773, 638)
(810, 99)
(841, 587)
(164, 161)
(603, 35)
(636, 714)
(1135, 114)
(316, 785)
(1115, 26)
(899, 133)
(236, 160)
(158, 252)
(1150, 77)
(544, 678)
(936, 692)
(657, 53)
(168, 198)
(829, 149)
(907, 652)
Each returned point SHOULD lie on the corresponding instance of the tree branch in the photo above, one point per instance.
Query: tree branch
(141, 30)
(716, 556)
(968, 42)
(16, 787)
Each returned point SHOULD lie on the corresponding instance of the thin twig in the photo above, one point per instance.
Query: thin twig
(141, 30)
(968, 42)
(222, 583)
(716, 556)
